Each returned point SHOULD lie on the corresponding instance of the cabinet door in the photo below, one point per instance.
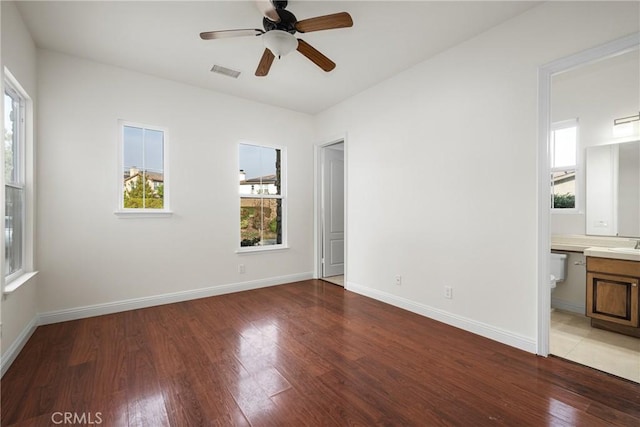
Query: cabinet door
(612, 298)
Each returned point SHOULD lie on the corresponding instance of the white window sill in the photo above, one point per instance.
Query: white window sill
(143, 213)
(18, 281)
(564, 211)
(258, 249)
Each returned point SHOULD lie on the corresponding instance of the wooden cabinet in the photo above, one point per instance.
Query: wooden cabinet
(612, 298)
(612, 294)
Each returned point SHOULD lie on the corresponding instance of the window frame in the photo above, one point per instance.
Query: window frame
(123, 212)
(556, 126)
(282, 196)
(14, 91)
(26, 172)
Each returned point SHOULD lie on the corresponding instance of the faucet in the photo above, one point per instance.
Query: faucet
(637, 246)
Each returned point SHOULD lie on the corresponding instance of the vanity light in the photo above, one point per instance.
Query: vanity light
(626, 126)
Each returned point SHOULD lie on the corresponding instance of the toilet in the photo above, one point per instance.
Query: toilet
(558, 269)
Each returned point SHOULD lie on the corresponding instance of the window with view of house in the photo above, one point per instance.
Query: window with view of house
(262, 196)
(143, 168)
(14, 175)
(564, 159)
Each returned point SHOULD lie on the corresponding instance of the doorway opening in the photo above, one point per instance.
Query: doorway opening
(330, 212)
(564, 330)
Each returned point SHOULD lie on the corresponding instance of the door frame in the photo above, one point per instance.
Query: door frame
(545, 73)
(318, 216)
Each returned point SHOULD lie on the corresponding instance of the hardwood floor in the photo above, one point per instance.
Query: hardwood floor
(307, 353)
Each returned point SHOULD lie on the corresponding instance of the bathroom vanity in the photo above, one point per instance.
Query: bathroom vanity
(608, 289)
(612, 298)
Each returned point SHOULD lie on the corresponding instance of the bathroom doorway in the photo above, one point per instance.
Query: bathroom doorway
(330, 202)
(564, 330)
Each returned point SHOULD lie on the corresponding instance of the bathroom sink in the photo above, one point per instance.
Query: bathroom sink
(625, 250)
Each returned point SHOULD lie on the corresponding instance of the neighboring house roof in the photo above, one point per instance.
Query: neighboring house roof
(151, 176)
(267, 179)
(564, 177)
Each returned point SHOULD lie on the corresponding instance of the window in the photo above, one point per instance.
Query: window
(564, 153)
(14, 164)
(262, 196)
(143, 171)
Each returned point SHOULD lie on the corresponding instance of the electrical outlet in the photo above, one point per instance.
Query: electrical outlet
(241, 269)
(448, 292)
(398, 280)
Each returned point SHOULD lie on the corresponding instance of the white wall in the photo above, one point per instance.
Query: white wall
(596, 94)
(462, 126)
(87, 255)
(19, 56)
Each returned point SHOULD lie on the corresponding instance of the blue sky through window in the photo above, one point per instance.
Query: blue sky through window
(257, 161)
(143, 149)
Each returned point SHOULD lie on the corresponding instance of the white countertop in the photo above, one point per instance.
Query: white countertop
(597, 246)
(629, 254)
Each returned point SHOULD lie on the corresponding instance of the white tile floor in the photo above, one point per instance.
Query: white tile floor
(573, 338)
(336, 280)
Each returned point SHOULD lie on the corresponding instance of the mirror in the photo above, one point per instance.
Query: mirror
(613, 190)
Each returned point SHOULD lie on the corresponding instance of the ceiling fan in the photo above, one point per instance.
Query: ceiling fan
(280, 25)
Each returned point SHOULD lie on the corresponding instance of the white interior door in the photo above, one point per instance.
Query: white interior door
(333, 212)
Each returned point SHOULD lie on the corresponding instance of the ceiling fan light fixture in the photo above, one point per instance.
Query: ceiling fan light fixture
(279, 42)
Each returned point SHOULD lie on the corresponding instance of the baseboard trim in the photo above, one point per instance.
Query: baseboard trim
(16, 346)
(478, 328)
(567, 306)
(144, 302)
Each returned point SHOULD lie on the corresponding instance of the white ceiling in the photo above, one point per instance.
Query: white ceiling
(161, 38)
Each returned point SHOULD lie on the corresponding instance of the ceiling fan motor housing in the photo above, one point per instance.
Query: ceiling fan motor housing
(287, 22)
(279, 38)
(279, 4)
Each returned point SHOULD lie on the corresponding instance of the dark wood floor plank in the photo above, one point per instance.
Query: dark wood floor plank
(39, 421)
(439, 401)
(26, 378)
(145, 400)
(208, 386)
(114, 410)
(306, 353)
(318, 396)
(111, 366)
(299, 410)
(86, 343)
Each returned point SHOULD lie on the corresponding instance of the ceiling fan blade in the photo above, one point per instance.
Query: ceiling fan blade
(268, 10)
(326, 22)
(265, 63)
(223, 34)
(315, 56)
